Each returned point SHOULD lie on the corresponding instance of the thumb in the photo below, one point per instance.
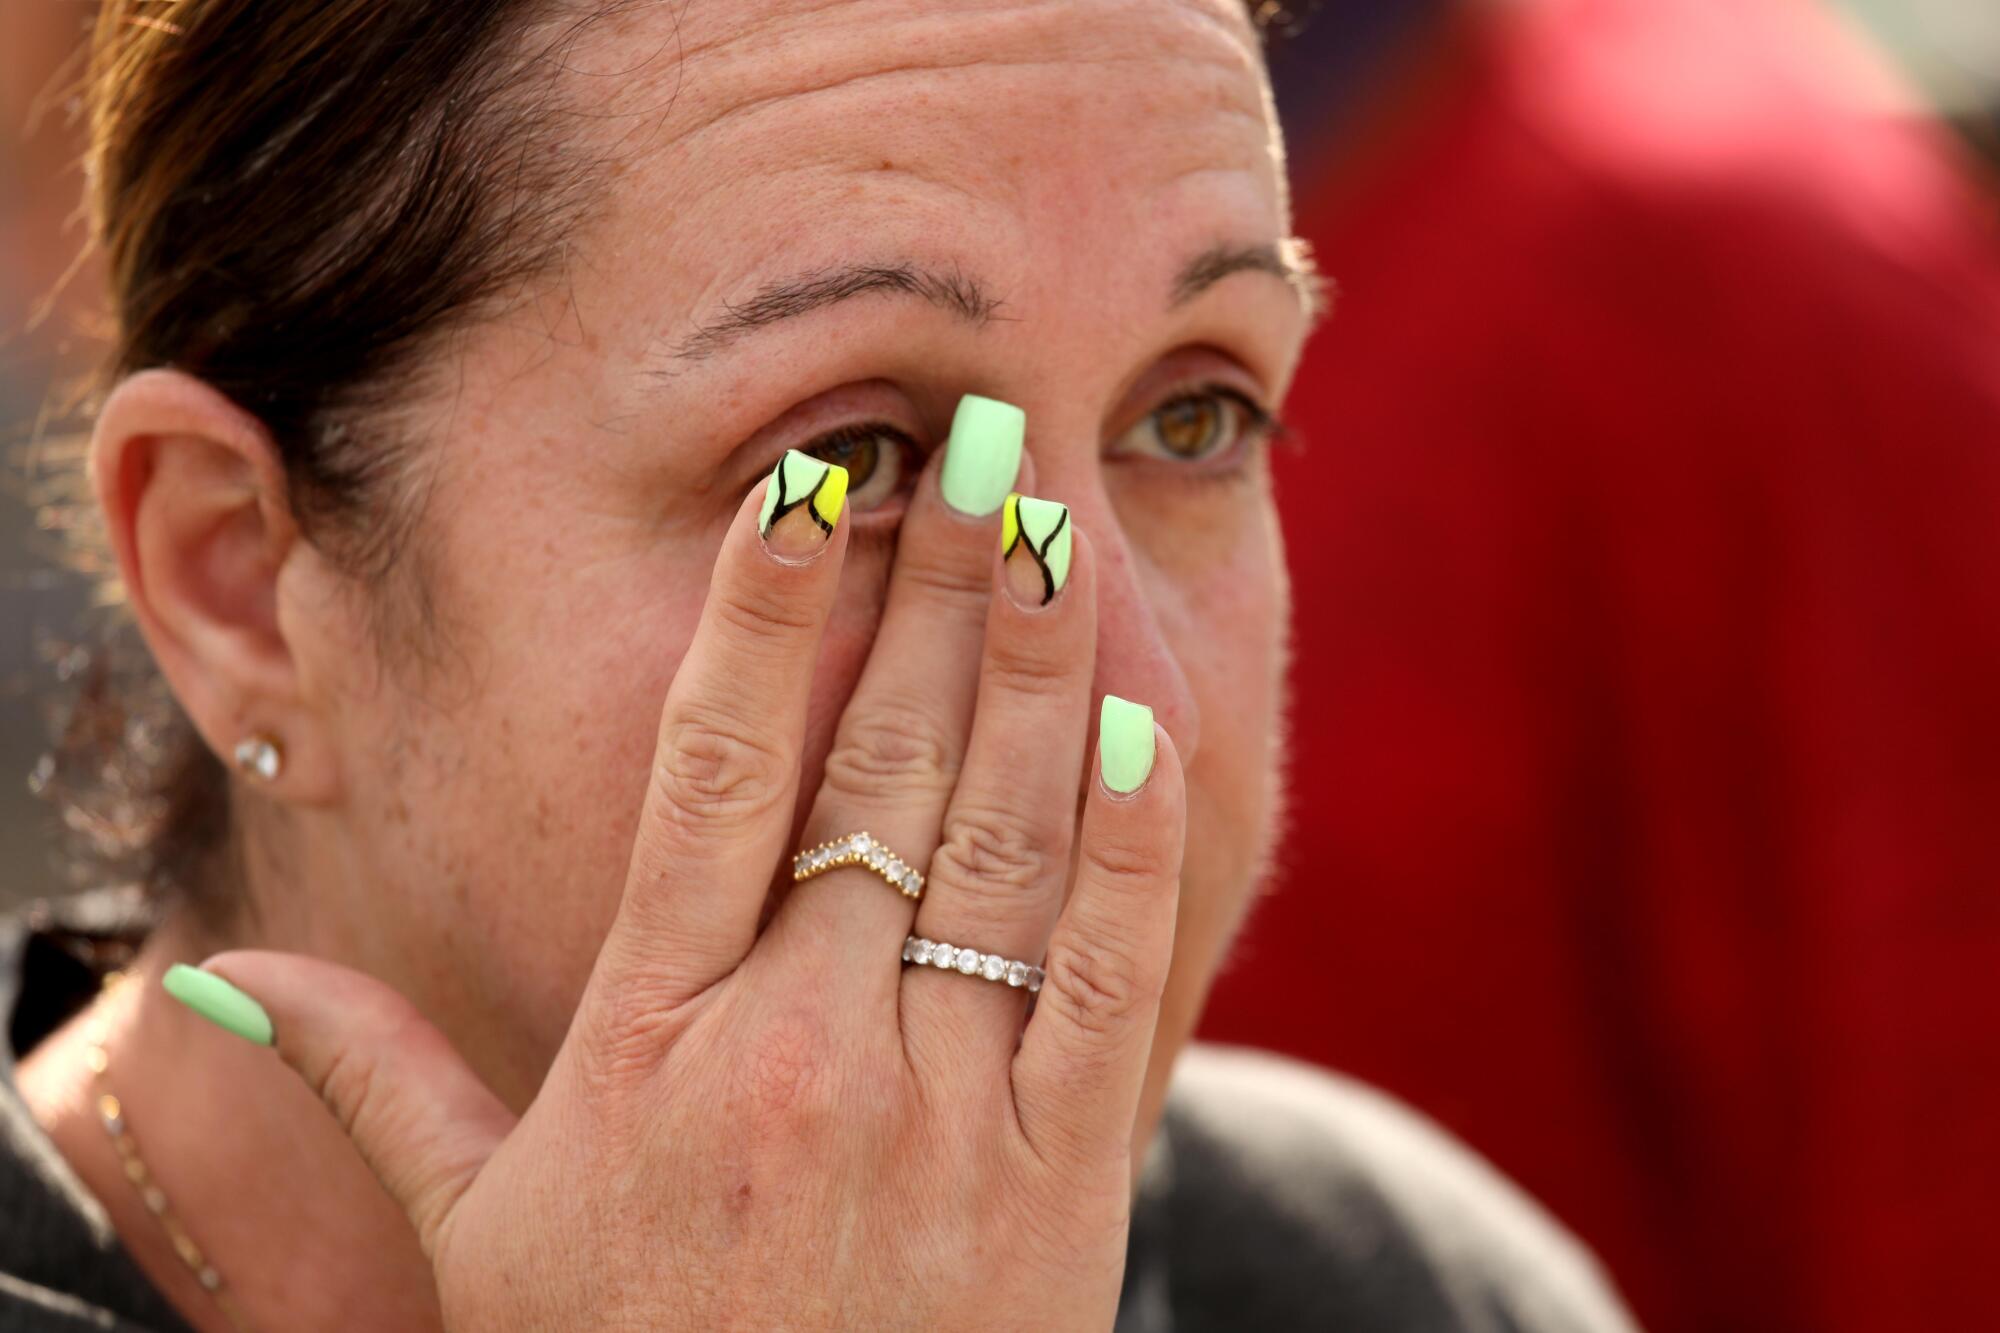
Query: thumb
(420, 1117)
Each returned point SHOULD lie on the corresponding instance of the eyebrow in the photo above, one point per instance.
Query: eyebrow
(948, 289)
(957, 292)
(1289, 260)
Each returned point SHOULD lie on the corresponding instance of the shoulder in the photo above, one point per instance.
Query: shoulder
(1294, 1198)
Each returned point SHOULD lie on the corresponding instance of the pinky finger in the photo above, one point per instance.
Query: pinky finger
(1082, 1062)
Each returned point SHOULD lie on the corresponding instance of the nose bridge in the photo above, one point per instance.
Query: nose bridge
(1135, 658)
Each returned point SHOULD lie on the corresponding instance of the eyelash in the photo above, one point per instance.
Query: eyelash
(860, 432)
(1265, 425)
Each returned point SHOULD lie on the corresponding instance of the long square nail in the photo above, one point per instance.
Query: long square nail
(1036, 541)
(219, 1002)
(1124, 744)
(983, 457)
(802, 502)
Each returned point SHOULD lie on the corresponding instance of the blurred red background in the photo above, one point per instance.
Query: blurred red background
(1646, 541)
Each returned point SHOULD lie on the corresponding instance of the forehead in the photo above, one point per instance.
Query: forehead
(750, 137)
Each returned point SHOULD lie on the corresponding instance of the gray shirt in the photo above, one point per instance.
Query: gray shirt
(1275, 1196)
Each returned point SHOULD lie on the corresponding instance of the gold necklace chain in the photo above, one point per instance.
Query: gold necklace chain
(111, 1114)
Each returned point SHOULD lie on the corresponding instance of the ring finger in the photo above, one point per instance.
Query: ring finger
(998, 878)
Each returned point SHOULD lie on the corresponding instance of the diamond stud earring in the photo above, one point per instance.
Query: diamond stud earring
(259, 755)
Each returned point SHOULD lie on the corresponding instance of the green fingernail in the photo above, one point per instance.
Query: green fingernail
(1124, 743)
(1040, 531)
(984, 455)
(219, 1002)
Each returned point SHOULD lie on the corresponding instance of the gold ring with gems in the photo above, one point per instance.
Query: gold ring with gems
(859, 849)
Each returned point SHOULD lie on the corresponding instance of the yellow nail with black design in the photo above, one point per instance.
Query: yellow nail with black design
(802, 502)
(1036, 540)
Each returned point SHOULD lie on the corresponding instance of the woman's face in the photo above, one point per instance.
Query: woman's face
(822, 225)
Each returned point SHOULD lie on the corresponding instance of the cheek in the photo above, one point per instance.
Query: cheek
(1218, 592)
(1227, 636)
(1224, 617)
(531, 789)
(501, 793)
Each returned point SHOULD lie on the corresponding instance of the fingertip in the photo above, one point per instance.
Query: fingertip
(1038, 545)
(293, 993)
(798, 512)
(1144, 829)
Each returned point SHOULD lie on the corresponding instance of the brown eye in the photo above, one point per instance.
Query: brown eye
(1195, 427)
(873, 456)
(1189, 428)
(856, 455)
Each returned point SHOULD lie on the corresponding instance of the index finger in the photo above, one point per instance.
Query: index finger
(725, 771)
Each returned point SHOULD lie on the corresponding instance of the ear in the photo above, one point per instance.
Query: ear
(194, 497)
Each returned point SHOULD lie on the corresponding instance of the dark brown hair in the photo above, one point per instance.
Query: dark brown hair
(293, 203)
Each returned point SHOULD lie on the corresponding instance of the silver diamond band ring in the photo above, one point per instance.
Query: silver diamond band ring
(972, 963)
(859, 849)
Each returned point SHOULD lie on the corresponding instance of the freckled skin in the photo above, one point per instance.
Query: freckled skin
(1072, 156)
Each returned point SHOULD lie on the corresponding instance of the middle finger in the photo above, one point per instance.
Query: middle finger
(899, 744)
